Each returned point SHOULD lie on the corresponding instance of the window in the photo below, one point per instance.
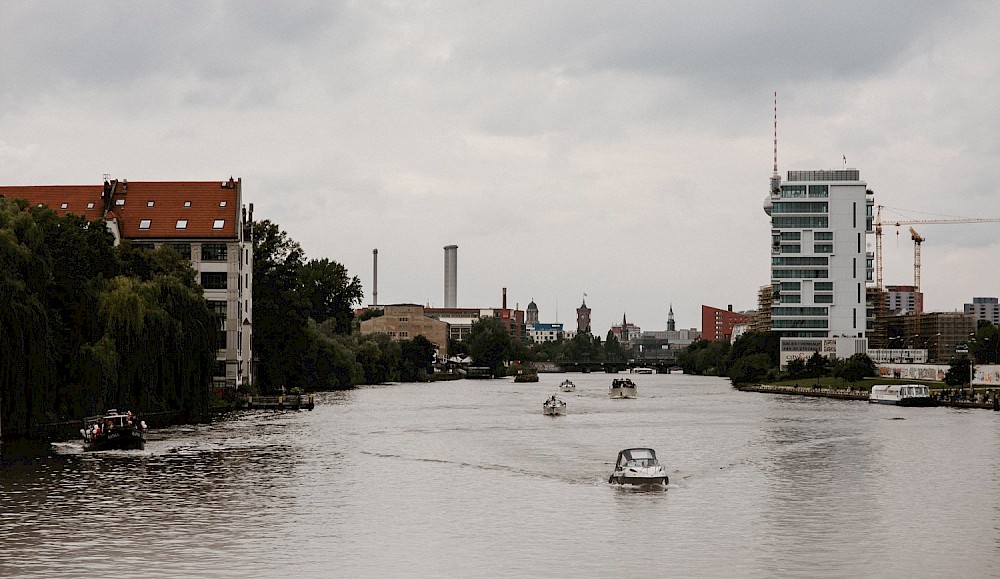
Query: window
(183, 249)
(780, 311)
(90, 205)
(801, 207)
(793, 191)
(64, 206)
(791, 286)
(222, 203)
(214, 279)
(800, 260)
(119, 202)
(213, 251)
(803, 273)
(791, 248)
(823, 236)
(824, 286)
(149, 203)
(819, 190)
(187, 203)
(218, 224)
(800, 222)
(145, 223)
(182, 224)
(823, 248)
(791, 298)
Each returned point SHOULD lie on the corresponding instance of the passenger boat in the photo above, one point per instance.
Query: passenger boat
(554, 407)
(639, 467)
(113, 431)
(567, 386)
(643, 370)
(622, 388)
(902, 395)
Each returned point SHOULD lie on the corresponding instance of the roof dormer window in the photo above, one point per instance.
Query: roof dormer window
(182, 224)
(120, 202)
(222, 203)
(90, 205)
(187, 203)
(64, 206)
(218, 224)
(149, 203)
(145, 223)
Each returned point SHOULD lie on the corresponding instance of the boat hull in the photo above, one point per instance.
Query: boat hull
(129, 439)
(916, 401)
(617, 393)
(639, 480)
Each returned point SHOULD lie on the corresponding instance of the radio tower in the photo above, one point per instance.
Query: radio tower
(775, 178)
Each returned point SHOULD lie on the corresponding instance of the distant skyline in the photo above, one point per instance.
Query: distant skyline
(622, 151)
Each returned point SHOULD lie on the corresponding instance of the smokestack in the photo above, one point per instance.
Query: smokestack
(451, 276)
(375, 277)
(505, 298)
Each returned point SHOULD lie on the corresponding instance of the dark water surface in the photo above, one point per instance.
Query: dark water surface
(469, 479)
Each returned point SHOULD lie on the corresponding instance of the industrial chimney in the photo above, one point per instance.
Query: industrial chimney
(451, 276)
(375, 277)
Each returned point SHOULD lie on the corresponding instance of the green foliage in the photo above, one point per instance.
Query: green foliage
(86, 326)
(817, 365)
(855, 368)
(330, 293)
(750, 368)
(958, 372)
(704, 358)
(489, 344)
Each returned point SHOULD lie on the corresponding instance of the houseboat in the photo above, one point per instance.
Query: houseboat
(902, 395)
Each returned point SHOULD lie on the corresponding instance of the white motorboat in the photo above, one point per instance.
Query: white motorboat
(639, 467)
(902, 395)
(553, 407)
(622, 388)
(567, 386)
(643, 370)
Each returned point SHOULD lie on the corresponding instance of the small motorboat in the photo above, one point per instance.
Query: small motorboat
(639, 467)
(622, 388)
(643, 370)
(114, 431)
(554, 407)
(567, 386)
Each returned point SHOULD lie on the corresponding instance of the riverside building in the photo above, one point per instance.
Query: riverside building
(819, 262)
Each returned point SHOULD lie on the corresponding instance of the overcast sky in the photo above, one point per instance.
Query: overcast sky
(617, 149)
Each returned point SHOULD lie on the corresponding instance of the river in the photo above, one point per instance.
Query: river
(469, 479)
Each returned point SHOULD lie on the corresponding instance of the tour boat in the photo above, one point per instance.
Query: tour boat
(902, 395)
(639, 467)
(554, 407)
(567, 386)
(622, 388)
(113, 431)
(643, 370)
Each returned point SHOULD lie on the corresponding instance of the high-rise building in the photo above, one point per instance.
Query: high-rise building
(985, 309)
(717, 324)
(819, 261)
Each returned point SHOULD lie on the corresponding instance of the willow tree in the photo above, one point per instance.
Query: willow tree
(25, 337)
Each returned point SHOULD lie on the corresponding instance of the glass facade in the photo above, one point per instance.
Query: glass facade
(801, 222)
(801, 207)
(213, 251)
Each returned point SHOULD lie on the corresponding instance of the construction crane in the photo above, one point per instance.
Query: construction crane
(916, 249)
(917, 240)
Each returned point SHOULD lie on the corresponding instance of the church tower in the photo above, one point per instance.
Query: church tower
(532, 313)
(583, 317)
(670, 319)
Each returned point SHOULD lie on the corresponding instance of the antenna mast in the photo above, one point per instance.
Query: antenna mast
(775, 178)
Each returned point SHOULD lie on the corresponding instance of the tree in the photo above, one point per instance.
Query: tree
(489, 344)
(750, 369)
(417, 356)
(817, 365)
(280, 312)
(958, 372)
(330, 293)
(704, 357)
(855, 368)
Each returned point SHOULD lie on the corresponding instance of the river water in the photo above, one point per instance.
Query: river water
(469, 479)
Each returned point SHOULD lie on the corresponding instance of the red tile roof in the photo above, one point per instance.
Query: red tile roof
(148, 209)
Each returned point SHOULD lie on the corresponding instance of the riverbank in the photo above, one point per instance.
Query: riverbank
(988, 399)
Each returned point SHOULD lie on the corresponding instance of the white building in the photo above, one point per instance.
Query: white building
(987, 309)
(540, 332)
(819, 261)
